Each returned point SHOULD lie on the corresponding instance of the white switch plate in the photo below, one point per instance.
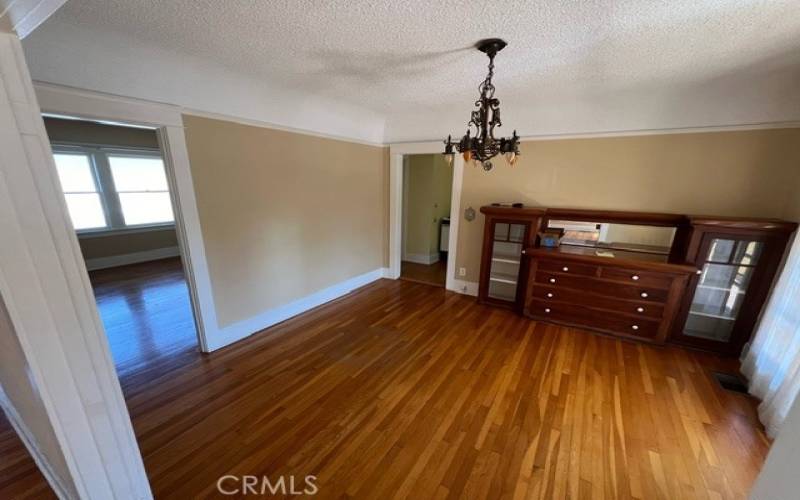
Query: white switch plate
(462, 271)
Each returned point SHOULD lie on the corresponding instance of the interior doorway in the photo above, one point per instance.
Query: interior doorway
(115, 185)
(427, 193)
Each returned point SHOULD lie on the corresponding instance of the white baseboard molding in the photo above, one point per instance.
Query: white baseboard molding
(56, 482)
(238, 331)
(422, 258)
(131, 258)
(465, 287)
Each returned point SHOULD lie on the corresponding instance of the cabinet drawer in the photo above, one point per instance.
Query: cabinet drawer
(603, 287)
(593, 319)
(560, 266)
(546, 293)
(632, 276)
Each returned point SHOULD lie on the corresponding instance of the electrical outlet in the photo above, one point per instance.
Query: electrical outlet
(462, 271)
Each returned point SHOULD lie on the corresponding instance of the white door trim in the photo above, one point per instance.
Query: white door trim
(396, 153)
(45, 288)
(168, 121)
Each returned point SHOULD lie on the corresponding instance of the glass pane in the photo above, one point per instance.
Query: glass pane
(735, 252)
(717, 300)
(145, 208)
(75, 173)
(747, 252)
(504, 270)
(725, 276)
(720, 250)
(501, 231)
(85, 210)
(138, 173)
(516, 232)
(502, 291)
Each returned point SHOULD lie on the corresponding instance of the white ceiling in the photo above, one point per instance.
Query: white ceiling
(570, 67)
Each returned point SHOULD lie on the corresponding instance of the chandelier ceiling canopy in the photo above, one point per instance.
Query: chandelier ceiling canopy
(479, 144)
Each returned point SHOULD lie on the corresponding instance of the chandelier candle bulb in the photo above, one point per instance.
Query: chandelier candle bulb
(483, 146)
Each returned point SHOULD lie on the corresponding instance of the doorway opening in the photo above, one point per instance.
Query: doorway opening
(427, 193)
(118, 196)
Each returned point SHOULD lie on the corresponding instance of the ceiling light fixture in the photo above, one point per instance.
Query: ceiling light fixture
(483, 146)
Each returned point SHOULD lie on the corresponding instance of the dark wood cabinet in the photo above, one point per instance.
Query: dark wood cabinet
(507, 233)
(736, 261)
(626, 296)
(705, 288)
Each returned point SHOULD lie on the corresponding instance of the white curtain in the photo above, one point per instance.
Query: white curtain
(772, 364)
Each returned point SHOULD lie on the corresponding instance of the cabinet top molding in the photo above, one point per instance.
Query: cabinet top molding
(645, 218)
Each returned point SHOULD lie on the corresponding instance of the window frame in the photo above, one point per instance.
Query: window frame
(109, 197)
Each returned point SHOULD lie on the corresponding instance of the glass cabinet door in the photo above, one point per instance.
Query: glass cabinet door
(727, 270)
(507, 244)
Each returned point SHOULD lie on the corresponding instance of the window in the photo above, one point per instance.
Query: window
(142, 189)
(109, 189)
(80, 189)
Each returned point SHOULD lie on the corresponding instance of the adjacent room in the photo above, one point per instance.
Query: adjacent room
(427, 190)
(115, 186)
(402, 250)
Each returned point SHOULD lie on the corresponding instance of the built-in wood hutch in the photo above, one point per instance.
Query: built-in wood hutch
(652, 277)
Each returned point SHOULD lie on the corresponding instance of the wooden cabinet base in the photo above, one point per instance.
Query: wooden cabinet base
(620, 297)
(705, 290)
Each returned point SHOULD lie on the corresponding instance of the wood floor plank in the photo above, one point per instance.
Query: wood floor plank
(403, 390)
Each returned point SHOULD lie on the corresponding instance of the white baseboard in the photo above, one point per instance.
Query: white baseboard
(465, 287)
(131, 258)
(238, 331)
(422, 258)
(56, 482)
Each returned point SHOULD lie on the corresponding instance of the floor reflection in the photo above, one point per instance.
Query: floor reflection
(146, 312)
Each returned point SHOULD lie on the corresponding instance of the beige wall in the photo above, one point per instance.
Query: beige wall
(428, 188)
(791, 210)
(100, 246)
(23, 395)
(284, 214)
(751, 173)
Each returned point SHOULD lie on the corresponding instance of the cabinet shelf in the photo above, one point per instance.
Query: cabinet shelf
(721, 289)
(506, 259)
(509, 279)
(711, 315)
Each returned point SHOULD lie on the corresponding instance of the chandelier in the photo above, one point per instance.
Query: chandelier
(481, 147)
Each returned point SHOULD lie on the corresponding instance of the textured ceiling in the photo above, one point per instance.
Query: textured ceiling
(576, 66)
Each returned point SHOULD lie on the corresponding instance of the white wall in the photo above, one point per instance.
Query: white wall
(779, 479)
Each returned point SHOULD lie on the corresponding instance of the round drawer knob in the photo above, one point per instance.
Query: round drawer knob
(635, 277)
(640, 309)
(644, 295)
(699, 271)
(635, 327)
(547, 309)
(565, 269)
(552, 280)
(550, 295)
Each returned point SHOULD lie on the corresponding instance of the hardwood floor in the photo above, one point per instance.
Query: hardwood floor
(404, 390)
(146, 313)
(432, 274)
(20, 478)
